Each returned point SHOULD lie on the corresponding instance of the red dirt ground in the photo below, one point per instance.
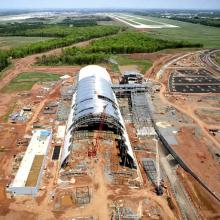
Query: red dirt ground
(208, 207)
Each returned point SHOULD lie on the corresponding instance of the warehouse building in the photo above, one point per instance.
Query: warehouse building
(92, 96)
(29, 174)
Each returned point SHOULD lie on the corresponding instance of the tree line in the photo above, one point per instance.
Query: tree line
(198, 20)
(76, 35)
(4, 60)
(122, 43)
(84, 21)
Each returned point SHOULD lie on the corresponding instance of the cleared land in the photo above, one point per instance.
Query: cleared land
(209, 116)
(25, 81)
(12, 42)
(142, 65)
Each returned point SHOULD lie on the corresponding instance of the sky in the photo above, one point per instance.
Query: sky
(151, 4)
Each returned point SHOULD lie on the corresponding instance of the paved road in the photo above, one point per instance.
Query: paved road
(167, 65)
(206, 57)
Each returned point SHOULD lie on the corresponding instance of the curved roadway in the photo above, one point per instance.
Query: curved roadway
(206, 57)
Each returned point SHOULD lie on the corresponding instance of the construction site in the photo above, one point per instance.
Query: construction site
(100, 145)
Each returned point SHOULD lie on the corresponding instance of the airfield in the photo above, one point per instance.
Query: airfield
(141, 22)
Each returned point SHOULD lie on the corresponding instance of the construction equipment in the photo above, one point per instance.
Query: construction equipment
(92, 152)
(158, 188)
(22, 142)
(82, 195)
(117, 215)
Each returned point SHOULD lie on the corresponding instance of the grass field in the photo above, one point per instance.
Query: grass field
(111, 23)
(148, 22)
(143, 65)
(12, 42)
(194, 33)
(4, 72)
(25, 81)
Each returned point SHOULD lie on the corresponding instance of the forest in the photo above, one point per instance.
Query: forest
(4, 60)
(208, 18)
(85, 21)
(76, 35)
(122, 43)
(65, 37)
(198, 20)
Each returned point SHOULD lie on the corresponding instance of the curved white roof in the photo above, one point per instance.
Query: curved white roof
(95, 71)
(94, 93)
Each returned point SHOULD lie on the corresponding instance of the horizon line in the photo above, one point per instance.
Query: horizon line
(109, 8)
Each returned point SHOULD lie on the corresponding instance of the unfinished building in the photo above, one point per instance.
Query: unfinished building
(131, 77)
(94, 96)
(29, 174)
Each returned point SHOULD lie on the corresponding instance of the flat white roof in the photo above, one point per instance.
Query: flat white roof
(61, 131)
(38, 146)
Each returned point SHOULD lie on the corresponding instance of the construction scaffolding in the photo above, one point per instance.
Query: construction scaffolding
(67, 92)
(126, 213)
(151, 169)
(85, 134)
(125, 90)
(141, 114)
(93, 94)
(63, 110)
(139, 106)
(82, 195)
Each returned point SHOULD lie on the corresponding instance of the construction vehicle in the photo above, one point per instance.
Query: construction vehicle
(92, 152)
(159, 190)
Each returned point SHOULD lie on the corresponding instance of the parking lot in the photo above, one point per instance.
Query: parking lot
(193, 81)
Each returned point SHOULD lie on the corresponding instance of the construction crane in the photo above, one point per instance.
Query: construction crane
(92, 152)
(158, 188)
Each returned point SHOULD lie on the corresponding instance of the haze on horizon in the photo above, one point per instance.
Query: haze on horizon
(143, 4)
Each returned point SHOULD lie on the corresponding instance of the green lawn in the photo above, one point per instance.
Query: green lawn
(25, 81)
(147, 22)
(123, 60)
(12, 42)
(194, 33)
